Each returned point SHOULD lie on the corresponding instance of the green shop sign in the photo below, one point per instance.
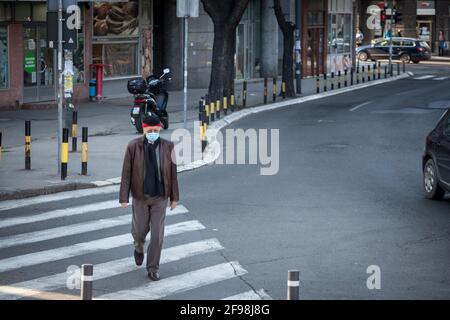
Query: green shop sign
(30, 62)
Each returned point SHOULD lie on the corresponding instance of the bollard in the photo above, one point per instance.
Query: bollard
(87, 278)
(205, 127)
(212, 109)
(265, 90)
(206, 107)
(325, 82)
(404, 66)
(244, 95)
(398, 69)
(232, 102)
(74, 130)
(283, 89)
(274, 89)
(1, 149)
(318, 85)
(363, 74)
(225, 102)
(84, 151)
(64, 153)
(332, 81)
(374, 74)
(357, 75)
(379, 70)
(345, 78)
(368, 73)
(200, 111)
(27, 145)
(218, 107)
(352, 71)
(339, 79)
(385, 72)
(391, 71)
(293, 284)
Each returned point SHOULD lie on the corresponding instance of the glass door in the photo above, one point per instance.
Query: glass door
(424, 31)
(38, 66)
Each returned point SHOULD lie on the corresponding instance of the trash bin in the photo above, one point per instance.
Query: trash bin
(92, 89)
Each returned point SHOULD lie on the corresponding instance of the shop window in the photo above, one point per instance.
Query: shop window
(3, 57)
(22, 12)
(5, 12)
(121, 56)
(118, 19)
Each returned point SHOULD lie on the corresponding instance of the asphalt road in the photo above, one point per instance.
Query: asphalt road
(347, 196)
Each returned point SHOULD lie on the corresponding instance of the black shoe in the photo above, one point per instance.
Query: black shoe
(153, 276)
(138, 258)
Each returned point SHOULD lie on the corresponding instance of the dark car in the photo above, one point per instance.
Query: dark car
(436, 160)
(405, 49)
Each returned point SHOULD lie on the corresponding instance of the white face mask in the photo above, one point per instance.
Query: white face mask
(152, 136)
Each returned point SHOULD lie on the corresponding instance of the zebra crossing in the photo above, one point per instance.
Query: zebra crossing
(431, 77)
(41, 251)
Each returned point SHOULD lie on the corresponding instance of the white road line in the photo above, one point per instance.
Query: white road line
(9, 291)
(440, 79)
(424, 77)
(261, 294)
(83, 248)
(360, 106)
(180, 283)
(58, 232)
(13, 204)
(111, 268)
(66, 212)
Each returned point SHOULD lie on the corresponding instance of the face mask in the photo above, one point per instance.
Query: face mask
(152, 136)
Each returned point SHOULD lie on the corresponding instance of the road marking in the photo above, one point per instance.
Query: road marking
(83, 248)
(24, 292)
(113, 268)
(180, 283)
(261, 294)
(13, 204)
(72, 229)
(66, 212)
(424, 77)
(440, 79)
(360, 106)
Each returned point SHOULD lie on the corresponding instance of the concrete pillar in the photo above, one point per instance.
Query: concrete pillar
(269, 40)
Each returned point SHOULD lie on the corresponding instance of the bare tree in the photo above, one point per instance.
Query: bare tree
(287, 28)
(225, 15)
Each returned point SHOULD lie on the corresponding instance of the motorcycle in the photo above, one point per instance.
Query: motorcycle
(150, 97)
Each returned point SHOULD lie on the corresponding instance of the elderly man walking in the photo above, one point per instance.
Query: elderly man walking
(150, 173)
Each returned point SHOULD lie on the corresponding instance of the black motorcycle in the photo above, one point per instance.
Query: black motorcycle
(150, 97)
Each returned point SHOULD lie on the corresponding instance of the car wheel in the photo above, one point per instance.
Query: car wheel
(416, 61)
(363, 56)
(138, 124)
(430, 182)
(405, 58)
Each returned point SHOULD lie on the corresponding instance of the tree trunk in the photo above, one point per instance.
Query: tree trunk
(225, 15)
(287, 29)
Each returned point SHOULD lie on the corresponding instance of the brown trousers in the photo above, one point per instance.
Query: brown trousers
(149, 215)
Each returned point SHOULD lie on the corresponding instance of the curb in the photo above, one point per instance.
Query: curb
(212, 151)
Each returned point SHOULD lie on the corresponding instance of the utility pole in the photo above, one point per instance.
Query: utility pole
(60, 86)
(390, 37)
(185, 73)
(298, 57)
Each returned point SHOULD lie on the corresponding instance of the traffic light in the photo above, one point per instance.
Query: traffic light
(398, 17)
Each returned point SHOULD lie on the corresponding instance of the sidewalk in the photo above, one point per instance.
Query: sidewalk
(110, 131)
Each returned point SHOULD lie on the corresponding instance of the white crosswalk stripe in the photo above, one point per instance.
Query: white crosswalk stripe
(440, 78)
(113, 268)
(180, 283)
(429, 76)
(87, 247)
(109, 267)
(261, 294)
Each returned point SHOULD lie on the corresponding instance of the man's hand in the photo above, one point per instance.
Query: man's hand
(124, 204)
(173, 205)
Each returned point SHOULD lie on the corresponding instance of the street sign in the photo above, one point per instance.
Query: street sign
(187, 8)
(71, 24)
(70, 34)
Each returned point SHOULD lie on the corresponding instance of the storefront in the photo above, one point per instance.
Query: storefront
(426, 12)
(340, 34)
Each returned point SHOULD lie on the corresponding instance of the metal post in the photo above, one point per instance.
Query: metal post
(185, 69)
(352, 71)
(390, 38)
(345, 77)
(298, 60)
(404, 66)
(244, 94)
(318, 85)
(27, 145)
(274, 89)
(74, 130)
(283, 89)
(398, 69)
(357, 75)
(368, 73)
(374, 75)
(325, 82)
(363, 74)
(332, 81)
(87, 277)
(265, 90)
(339, 79)
(64, 153)
(60, 83)
(1, 145)
(293, 284)
(379, 70)
(84, 151)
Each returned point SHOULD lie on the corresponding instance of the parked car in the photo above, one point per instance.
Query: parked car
(405, 49)
(436, 160)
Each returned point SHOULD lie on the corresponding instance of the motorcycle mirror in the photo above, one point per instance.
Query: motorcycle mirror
(166, 70)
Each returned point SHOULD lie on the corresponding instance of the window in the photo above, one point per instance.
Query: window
(5, 12)
(408, 43)
(116, 37)
(3, 57)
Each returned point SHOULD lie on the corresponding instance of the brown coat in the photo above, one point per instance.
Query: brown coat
(133, 170)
